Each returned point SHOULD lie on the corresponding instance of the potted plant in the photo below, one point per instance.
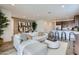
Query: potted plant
(34, 25)
(3, 24)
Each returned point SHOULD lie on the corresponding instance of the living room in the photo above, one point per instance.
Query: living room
(44, 18)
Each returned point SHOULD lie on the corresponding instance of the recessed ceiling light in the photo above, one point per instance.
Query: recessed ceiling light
(49, 12)
(62, 6)
(24, 16)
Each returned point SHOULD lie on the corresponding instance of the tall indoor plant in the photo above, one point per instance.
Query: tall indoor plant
(34, 25)
(3, 24)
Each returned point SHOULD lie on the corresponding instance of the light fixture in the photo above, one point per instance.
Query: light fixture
(49, 12)
(24, 16)
(50, 24)
(62, 6)
(45, 23)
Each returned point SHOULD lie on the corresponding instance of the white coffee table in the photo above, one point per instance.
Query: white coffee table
(60, 51)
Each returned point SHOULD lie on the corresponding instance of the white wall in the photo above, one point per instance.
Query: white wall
(45, 25)
(8, 33)
(42, 25)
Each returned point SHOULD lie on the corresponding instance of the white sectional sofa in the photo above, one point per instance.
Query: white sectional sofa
(31, 46)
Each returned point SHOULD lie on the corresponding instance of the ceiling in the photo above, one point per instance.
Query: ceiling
(43, 11)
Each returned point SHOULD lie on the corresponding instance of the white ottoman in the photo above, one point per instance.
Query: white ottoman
(52, 44)
(36, 48)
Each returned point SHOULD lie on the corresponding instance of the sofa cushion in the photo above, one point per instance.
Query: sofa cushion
(29, 37)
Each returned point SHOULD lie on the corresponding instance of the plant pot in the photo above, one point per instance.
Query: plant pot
(1, 41)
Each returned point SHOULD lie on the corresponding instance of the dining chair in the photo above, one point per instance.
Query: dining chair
(56, 35)
(63, 36)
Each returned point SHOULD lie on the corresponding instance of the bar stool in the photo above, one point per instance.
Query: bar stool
(63, 36)
(70, 35)
(56, 35)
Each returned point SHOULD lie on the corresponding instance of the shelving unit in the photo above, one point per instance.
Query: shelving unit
(22, 25)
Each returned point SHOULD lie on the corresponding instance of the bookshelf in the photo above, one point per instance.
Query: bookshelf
(22, 25)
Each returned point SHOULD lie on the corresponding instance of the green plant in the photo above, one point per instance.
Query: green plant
(34, 25)
(3, 23)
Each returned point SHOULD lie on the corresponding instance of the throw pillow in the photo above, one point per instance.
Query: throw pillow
(29, 37)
